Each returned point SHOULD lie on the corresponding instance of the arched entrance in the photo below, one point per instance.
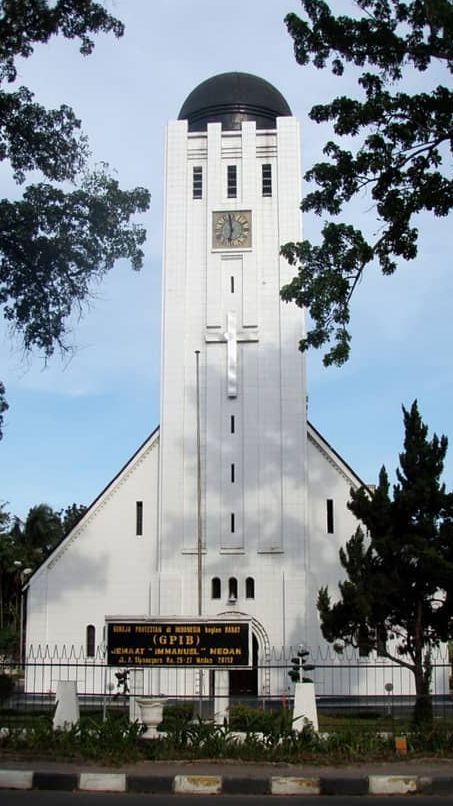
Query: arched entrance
(244, 682)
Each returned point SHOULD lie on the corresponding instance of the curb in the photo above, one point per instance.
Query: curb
(227, 784)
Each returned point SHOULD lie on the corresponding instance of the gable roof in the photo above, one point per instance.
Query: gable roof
(127, 467)
(313, 435)
(332, 456)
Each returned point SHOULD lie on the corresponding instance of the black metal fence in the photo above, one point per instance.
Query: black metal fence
(344, 683)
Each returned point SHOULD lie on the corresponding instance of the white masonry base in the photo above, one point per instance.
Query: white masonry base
(304, 707)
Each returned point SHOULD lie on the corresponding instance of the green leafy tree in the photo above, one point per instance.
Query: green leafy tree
(398, 595)
(11, 565)
(23, 546)
(3, 407)
(403, 141)
(5, 559)
(57, 239)
(42, 531)
(71, 516)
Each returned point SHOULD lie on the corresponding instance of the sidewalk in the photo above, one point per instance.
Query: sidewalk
(430, 777)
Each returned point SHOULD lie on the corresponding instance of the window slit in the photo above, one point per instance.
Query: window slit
(231, 181)
(266, 179)
(197, 182)
(330, 522)
(139, 518)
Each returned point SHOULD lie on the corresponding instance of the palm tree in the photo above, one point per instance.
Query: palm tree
(41, 532)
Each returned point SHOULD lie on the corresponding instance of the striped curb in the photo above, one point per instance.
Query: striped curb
(16, 779)
(343, 786)
(288, 785)
(102, 782)
(198, 784)
(227, 784)
(392, 785)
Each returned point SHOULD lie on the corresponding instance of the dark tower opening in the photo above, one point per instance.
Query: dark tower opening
(244, 682)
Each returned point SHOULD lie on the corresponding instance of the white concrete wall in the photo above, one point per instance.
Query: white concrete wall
(329, 478)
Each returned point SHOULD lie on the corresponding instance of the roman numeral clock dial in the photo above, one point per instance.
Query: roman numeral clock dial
(232, 230)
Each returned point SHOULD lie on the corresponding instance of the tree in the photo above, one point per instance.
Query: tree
(404, 140)
(70, 516)
(398, 595)
(23, 547)
(3, 406)
(41, 532)
(55, 240)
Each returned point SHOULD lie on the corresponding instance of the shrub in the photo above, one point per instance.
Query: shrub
(251, 720)
(176, 716)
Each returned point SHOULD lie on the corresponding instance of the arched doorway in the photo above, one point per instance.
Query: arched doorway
(244, 682)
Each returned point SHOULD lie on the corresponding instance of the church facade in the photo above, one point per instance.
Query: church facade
(236, 506)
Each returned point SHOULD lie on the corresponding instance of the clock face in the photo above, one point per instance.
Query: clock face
(232, 229)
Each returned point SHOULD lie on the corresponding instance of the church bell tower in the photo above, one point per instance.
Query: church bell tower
(232, 196)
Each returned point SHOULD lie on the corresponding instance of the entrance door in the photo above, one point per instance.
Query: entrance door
(244, 682)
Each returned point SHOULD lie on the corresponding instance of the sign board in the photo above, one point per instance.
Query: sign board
(223, 644)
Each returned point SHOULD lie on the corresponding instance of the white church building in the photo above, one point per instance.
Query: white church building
(235, 507)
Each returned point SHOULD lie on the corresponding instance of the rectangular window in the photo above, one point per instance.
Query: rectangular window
(139, 518)
(232, 189)
(232, 473)
(232, 284)
(266, 179)
(330, 525)
(232, 524)
(197, 182)
(232, 424)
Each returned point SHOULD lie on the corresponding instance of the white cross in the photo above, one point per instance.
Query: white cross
(231, 337)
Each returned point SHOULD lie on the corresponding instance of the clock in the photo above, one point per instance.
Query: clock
(232, 229)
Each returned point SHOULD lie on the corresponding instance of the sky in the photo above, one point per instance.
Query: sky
(75, 421)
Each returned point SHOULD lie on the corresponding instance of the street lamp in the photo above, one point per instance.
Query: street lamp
(23, 574)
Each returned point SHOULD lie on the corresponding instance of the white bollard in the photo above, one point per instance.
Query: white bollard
(222, 696)
(304, 707)
(136, 689)
(67, 712)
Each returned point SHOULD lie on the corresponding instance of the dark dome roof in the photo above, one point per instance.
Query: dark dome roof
(231, 98)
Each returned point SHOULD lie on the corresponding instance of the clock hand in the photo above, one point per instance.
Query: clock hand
(230, 219)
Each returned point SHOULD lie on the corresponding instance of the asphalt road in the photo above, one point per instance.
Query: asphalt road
(46, 798)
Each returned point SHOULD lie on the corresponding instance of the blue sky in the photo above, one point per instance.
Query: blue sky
(73, 423)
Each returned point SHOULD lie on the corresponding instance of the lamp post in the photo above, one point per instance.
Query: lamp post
(389, 689)
(23, 574)
(199, 522)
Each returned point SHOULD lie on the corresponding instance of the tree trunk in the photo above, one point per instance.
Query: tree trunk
(423, 710)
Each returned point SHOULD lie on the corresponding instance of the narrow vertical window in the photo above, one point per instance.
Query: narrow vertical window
(266, 179)
(232, 522)
(249, 588)
(232, 588)
(330, 524)
(139, 518)
(90, 641)
(197, 182)
(232, 424)
(216, 588)
(232, 185)
(232, 470)
(232, 284)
